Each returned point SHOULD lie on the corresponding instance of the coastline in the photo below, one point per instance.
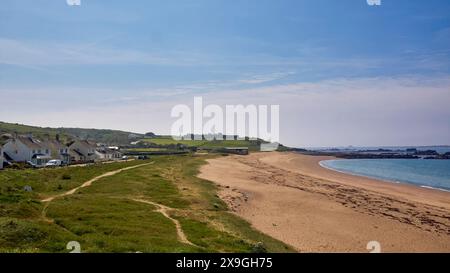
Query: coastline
(379, 178)
(309, 165)
(292, 198)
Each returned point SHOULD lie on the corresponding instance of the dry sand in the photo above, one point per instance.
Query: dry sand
(290, 197)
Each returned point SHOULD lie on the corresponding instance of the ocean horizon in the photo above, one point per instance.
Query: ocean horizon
(433, 174)
(441, 149)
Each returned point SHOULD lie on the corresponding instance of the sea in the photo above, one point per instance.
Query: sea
(420, 172)
(441, 149)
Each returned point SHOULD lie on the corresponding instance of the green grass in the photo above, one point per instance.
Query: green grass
(171, 141)
(51, 181)
(214, 144)
(67, 134)
(105, 218)
(144, 150)
(106, 224)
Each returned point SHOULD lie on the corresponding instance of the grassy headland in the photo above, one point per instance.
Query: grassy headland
(106, 217)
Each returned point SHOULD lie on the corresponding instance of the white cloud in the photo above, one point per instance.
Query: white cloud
(369, 111)
(256, 79)
(36, 54)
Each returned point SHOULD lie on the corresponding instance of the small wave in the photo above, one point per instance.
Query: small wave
(433, 188)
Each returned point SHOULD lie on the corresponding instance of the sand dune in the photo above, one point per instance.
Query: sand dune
(290, 197)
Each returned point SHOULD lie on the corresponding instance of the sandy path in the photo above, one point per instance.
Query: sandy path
(290, 197)
(164, 211)
(89, 183)
(161, 208)
(85, 184)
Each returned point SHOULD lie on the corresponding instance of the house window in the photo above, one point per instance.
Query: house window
(46, 151)
(61, 151)
(31, 151)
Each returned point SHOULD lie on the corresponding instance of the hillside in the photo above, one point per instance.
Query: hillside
(66, 134)
(116, 137)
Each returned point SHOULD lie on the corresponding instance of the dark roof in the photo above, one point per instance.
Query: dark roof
(31, 142)
(87, 144)
(55, 144)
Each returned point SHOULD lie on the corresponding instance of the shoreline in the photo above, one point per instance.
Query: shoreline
(379, 178)
(310, 165)
(290, 197)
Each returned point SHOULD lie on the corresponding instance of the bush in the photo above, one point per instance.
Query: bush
(66, 177)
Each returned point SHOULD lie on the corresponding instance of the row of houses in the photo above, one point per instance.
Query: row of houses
(38, 153)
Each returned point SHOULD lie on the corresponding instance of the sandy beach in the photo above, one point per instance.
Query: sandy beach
(292, 198)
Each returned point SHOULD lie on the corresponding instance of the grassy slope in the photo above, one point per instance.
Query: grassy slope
(103, 218)
(252, 145)
(66, 134)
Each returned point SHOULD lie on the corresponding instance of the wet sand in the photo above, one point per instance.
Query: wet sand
(290, 197)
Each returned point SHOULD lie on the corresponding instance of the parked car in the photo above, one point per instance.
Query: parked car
(124, 157)
(54, 163)
(142, 157)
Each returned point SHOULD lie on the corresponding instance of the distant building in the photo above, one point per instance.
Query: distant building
(82, 151)
(27, 149)
(58, 151)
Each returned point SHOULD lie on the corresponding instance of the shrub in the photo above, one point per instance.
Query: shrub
(66, 177)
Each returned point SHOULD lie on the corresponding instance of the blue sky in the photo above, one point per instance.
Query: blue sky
(85, 62)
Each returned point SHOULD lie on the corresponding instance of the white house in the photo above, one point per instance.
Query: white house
(82, 151)
(1, 156)
(105, 154)
(27, 149)
(58, 151)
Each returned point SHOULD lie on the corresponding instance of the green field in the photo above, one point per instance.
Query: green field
(144, 150)
(251, 144)
(106, 217)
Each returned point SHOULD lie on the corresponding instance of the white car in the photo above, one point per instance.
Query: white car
(54, 163)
